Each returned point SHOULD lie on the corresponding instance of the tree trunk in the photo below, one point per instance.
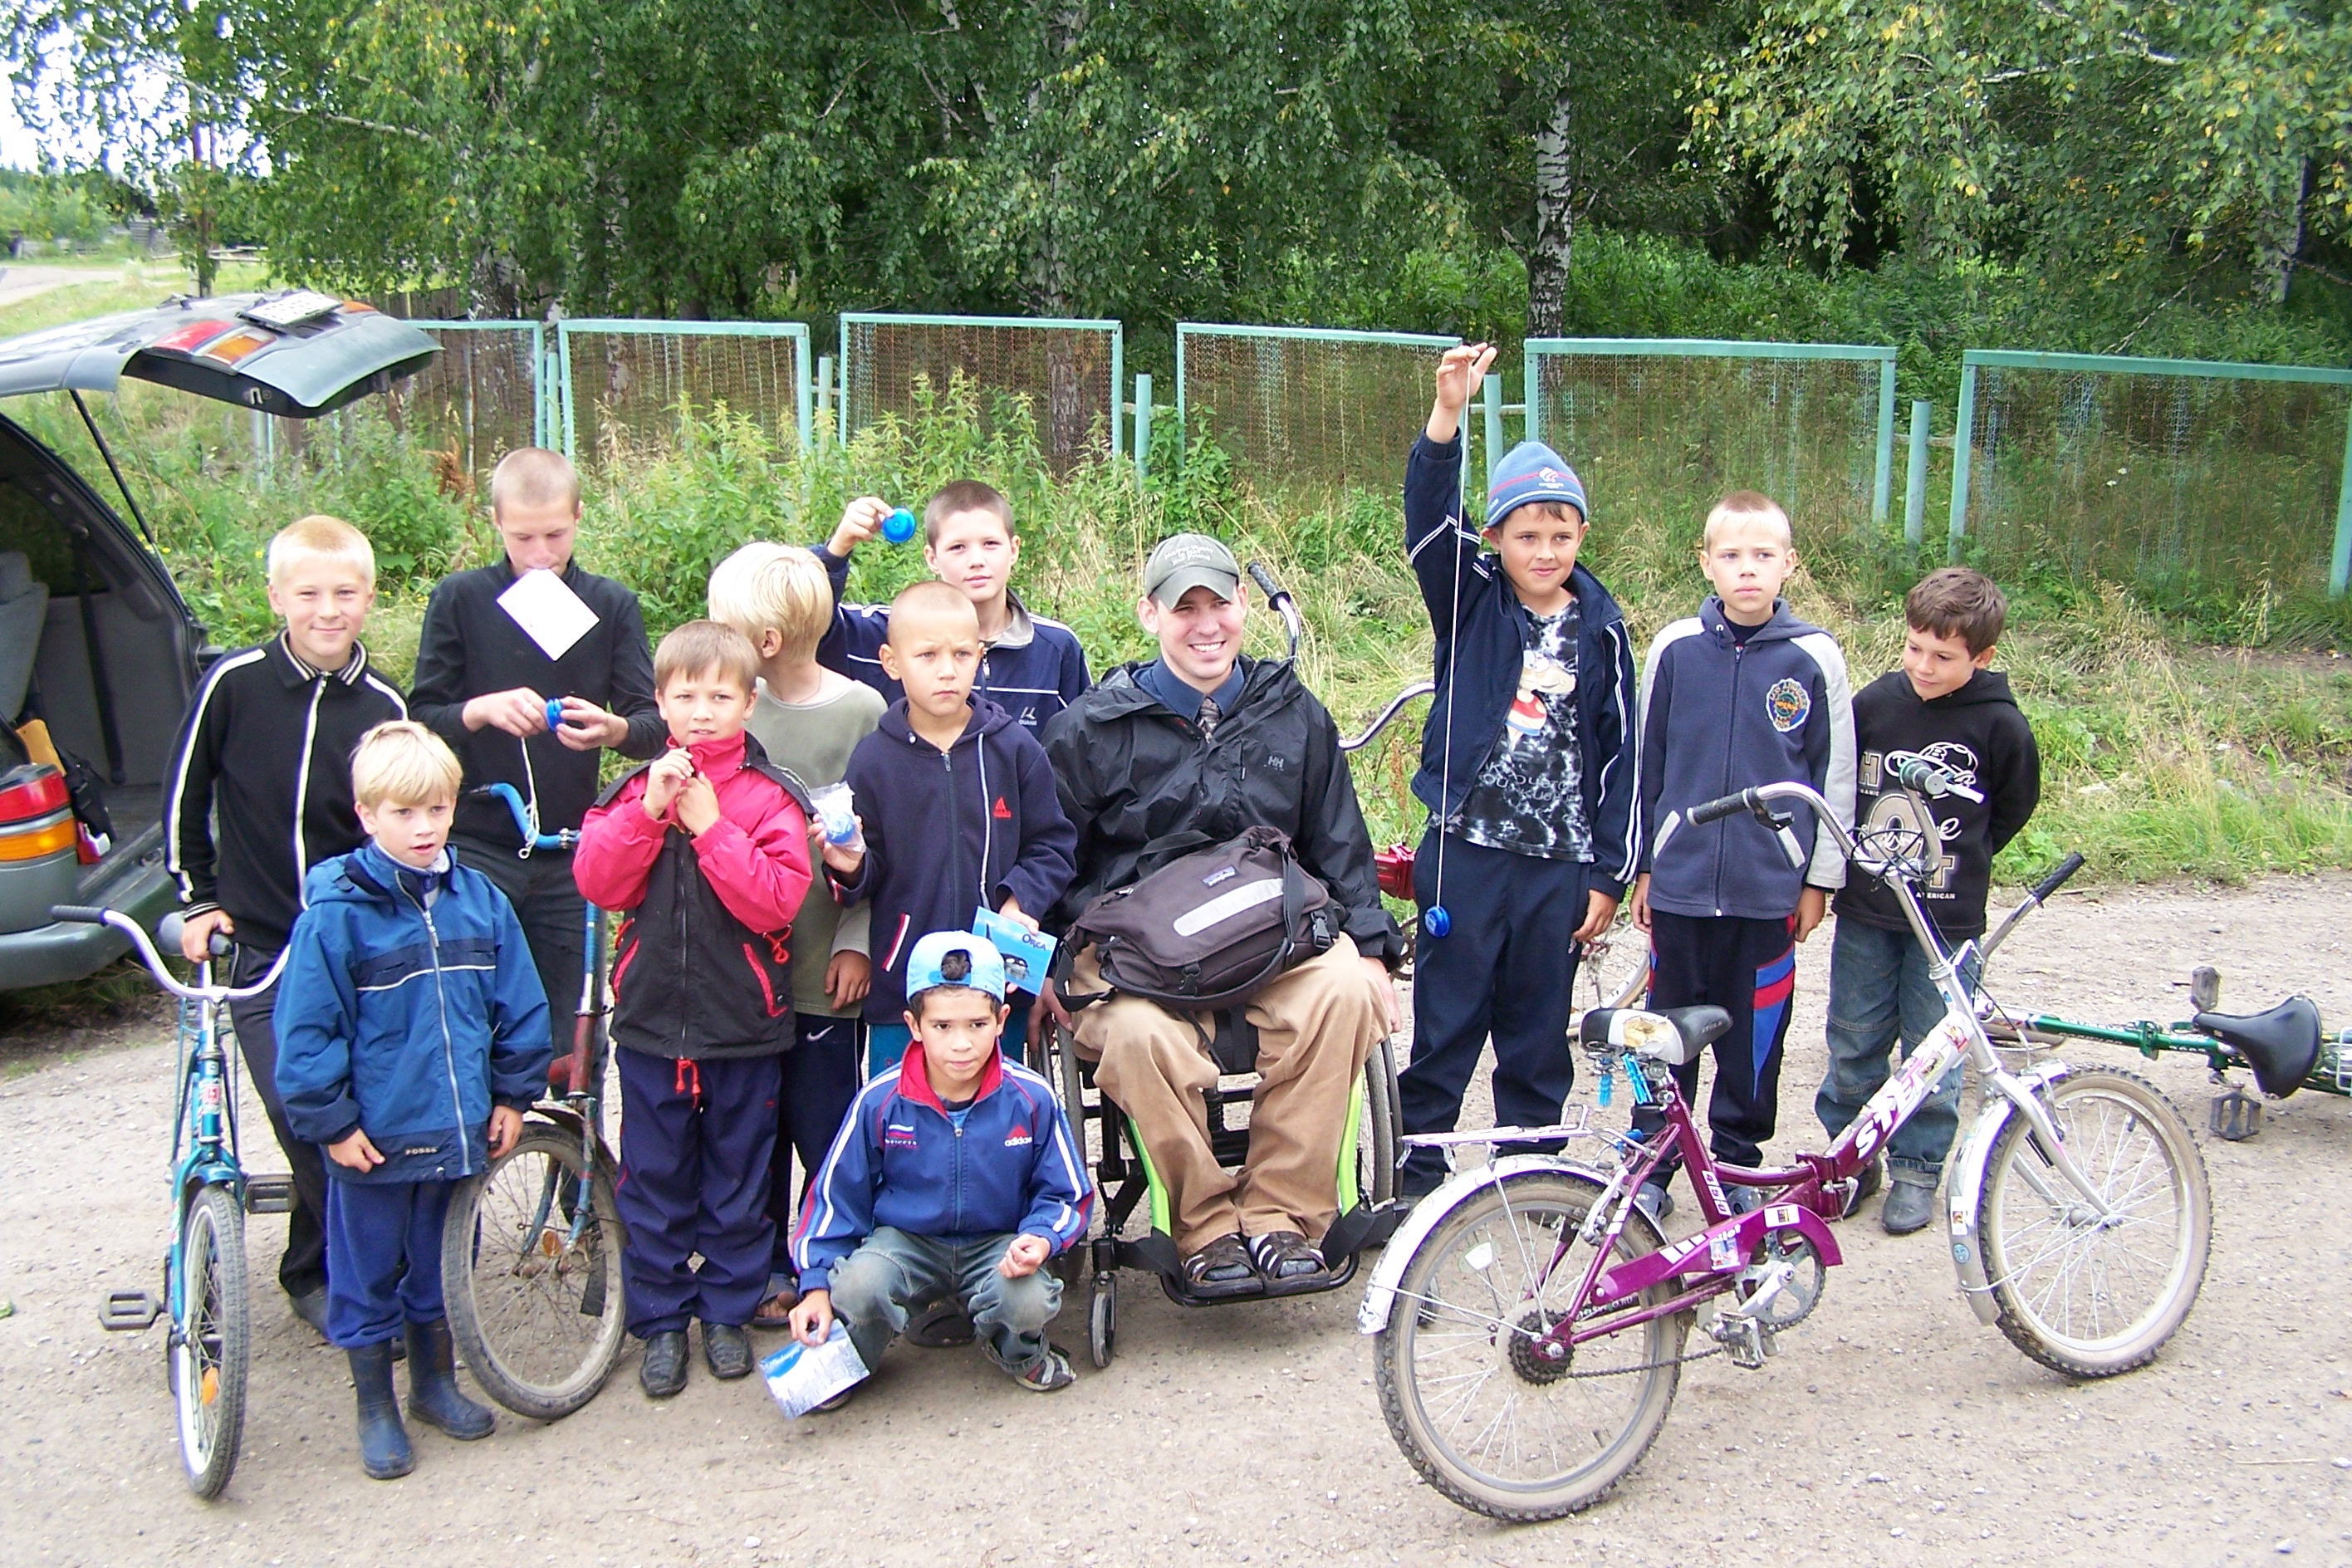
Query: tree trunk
(1547, 254)
(2280, 241)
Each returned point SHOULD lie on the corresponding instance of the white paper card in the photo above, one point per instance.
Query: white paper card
(551, 614)
(802, 1379)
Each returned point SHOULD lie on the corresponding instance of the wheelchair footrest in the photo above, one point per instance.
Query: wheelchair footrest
(128, 1311)
(1363, 1227)
(269, 1194)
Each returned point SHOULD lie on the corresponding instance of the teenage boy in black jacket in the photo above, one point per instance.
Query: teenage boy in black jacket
(266, 750)
(1526, 768)
(484, 683)
(1944, 704)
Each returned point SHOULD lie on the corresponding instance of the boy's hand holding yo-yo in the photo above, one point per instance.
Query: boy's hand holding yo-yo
(867, 516)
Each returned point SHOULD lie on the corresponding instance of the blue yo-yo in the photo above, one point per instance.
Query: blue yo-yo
(1436, 921)
(899, 526)
(554, 713)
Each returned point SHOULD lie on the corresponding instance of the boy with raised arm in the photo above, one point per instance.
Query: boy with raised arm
(1741, 694)
(1527, 769)
(266, 750)
(1947, 705)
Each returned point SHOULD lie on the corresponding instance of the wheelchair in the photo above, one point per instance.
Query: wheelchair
(1370, 1152)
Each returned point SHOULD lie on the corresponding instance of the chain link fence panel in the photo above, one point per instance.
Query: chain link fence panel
(1299, 409)
(1063, 376)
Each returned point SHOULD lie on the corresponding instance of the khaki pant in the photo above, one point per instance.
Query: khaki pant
(1316, 1026)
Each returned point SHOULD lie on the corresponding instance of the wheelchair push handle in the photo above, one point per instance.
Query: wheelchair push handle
(1278, 598)
(2057, 879)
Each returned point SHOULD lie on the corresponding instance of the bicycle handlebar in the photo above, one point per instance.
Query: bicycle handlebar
(1396, 705)
(521, 815)
(85, 915)
(2057, 879)
(1726, 805)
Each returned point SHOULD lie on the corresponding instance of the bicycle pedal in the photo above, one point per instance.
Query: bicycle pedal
(2234, 1116)
(129, 1311)
(269, 1194)
(1748, 1340)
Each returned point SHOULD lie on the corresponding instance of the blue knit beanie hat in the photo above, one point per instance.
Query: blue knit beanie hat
(1532, 472)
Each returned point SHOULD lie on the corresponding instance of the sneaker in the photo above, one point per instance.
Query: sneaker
(662, 1373)
(1652, 1199)
(1910, 1206)
(1048, 1372)
(727, 1351)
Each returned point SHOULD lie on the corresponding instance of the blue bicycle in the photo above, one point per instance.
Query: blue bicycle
(204, 1270)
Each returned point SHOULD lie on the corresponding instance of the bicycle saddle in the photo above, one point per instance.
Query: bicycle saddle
(1695, 1028)
(2279, 1045)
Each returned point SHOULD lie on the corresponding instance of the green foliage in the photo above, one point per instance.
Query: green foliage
(52, 207)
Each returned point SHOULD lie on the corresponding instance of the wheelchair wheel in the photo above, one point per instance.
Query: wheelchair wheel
(1102, 1321)
(1613, 970)
(530, 1266)
(1379, 1144)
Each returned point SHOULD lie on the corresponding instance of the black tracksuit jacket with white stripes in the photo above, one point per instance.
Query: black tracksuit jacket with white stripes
(266, 753)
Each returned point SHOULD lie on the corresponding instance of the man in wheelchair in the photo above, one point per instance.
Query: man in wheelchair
(1205, 743)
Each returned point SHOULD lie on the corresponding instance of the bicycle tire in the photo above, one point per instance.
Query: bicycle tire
(1565, 1197)
(211, 1351)
(538, 1312)
(2101, 1112)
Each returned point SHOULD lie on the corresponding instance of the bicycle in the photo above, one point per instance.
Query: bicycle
(530, 1257)
(1529, 1322)
(204, 1295)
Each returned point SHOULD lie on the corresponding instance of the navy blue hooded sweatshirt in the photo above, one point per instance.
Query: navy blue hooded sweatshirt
(1481, 642)
(1718, 717)
(948, 831)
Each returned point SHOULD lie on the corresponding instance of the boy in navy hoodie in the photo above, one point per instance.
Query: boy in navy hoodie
(955, 1175)
(1739, 695)
(1527, 769)
(1944, 704)
(958, 808)
(409, 1088)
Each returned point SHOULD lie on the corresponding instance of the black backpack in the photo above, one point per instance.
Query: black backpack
(1208, 928)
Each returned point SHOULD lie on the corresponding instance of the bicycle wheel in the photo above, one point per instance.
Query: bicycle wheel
(210, 1342)
(1482, 1419)
(2084, 1297)
(533, 1275)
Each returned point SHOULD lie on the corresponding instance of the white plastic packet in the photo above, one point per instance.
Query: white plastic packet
(803, 1378)
(836, 808)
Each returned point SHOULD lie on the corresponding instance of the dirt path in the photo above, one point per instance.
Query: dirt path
(1892, 1429)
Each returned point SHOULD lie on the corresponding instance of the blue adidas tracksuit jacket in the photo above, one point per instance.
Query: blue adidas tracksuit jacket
(1481, 644)
(900, 1159)
(1719, 718)
(1033, 672)
(407, 1015)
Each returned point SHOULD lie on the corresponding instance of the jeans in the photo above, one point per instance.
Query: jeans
(894, 1269)
(1880, 989)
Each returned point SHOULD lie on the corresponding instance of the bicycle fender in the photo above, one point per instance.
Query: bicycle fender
(1965, 1190)
(1380, 1296)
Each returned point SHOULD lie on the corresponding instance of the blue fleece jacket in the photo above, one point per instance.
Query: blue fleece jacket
(407, 1015)
(1033, 671)
(948, 831)
(1718, 717)
(900, 1159)
(1481, 642)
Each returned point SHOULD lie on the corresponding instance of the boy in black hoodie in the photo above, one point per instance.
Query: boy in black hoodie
(958, 808)
(1946, 705)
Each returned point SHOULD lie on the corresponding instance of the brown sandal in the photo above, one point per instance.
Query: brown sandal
(1222, 1269)
(776, 1312)
(1287, 1262)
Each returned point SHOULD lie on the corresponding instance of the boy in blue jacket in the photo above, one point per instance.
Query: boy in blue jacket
(956, 1175)
(412, 1035)
(1739, 695)
(1527, 769)
(958, 808)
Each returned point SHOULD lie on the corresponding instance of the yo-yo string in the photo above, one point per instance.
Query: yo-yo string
(1437, 923)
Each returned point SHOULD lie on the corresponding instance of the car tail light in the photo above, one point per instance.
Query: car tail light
(35, 813)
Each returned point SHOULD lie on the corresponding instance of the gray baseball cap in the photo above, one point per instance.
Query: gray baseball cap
(1183, 562)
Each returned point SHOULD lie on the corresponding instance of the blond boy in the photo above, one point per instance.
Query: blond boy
(260, 790)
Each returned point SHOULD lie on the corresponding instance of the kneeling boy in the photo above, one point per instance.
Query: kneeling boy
(956, 1175)
(409, 1087)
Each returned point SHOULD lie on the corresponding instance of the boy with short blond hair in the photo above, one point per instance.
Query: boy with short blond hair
(706, 852)
(1948, 705)
(264, 753)
(809, 719)
(1741, 694)
(1030, 667)
(409, 1089)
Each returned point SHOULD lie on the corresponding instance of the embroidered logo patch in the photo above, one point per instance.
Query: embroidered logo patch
(1786, 704)
(897, 1135)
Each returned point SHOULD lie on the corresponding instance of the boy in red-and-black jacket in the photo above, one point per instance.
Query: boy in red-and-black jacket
(706, 850)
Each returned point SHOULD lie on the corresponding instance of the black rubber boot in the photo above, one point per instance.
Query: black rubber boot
(384, 1452)
(433, 1395)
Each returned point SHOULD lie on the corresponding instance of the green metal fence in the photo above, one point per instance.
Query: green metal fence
(624, 384)
(1306, 406)
(2190, 480)
(1667, 426)
(1065, 374)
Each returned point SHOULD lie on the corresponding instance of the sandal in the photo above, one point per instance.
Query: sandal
(1220, 1270)
(1050, 1372)
(1287, 1262)
(776, 1310)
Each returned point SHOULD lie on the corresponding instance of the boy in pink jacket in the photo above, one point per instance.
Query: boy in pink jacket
(706, 852)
